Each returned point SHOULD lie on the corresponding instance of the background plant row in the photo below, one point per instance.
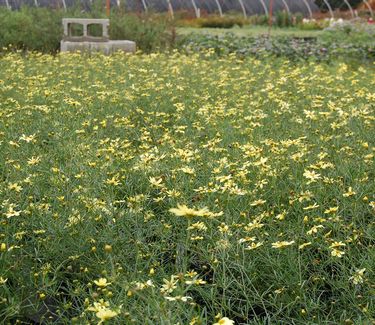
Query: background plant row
(40, 29)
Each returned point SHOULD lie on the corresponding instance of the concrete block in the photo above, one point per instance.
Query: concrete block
(104, 47)
(89, 43)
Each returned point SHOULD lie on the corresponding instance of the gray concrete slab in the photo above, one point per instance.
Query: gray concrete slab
(104, 47)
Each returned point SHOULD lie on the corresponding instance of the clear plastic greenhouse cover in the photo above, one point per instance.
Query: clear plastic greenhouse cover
(248, 7)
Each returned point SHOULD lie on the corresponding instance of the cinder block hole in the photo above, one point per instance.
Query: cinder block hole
(95, 30)
(75, 29)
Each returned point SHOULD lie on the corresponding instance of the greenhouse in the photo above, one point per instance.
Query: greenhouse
(198, 7)
(246, 7)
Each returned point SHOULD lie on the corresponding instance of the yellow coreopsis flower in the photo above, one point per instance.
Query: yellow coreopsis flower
(2, 280)
(112, 181)
(253, 246)
(102, 282)
(196, 282)
(302, 246)
(258, 202)
(3, 247)
(311, 175)
(331, 210)
(337, 253)
(157, 182)
(350, 192)
(33, 161)
(224, 321)
(184, 211)
(337, 244)
(12, 213)
(282, 244)
(15, 187)
(104, 314)
(28, 139)
(357, 278)
(169, 285)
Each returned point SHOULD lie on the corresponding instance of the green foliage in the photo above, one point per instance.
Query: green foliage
(148, 31)
(283, 19)
(40, 29)
(273, 159)
(327, 48)
(313, 24)
(29, 28)
(220, 22)
(346, 33)
(298, 18)
(259, 20)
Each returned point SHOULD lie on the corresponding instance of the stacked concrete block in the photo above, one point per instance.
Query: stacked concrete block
(90, 43)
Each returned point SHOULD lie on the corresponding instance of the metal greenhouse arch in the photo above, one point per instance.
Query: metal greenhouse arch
(246, 7)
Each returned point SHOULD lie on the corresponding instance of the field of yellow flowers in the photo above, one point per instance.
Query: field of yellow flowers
(174, 189)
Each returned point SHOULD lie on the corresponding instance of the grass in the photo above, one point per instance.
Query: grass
(251, 31)
(165, 189)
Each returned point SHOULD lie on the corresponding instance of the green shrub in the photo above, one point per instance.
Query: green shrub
(194, 23)
(149, 32)
(298, 18)
(220, 22)
(259, 20)
(283, 19)
(32, 29)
